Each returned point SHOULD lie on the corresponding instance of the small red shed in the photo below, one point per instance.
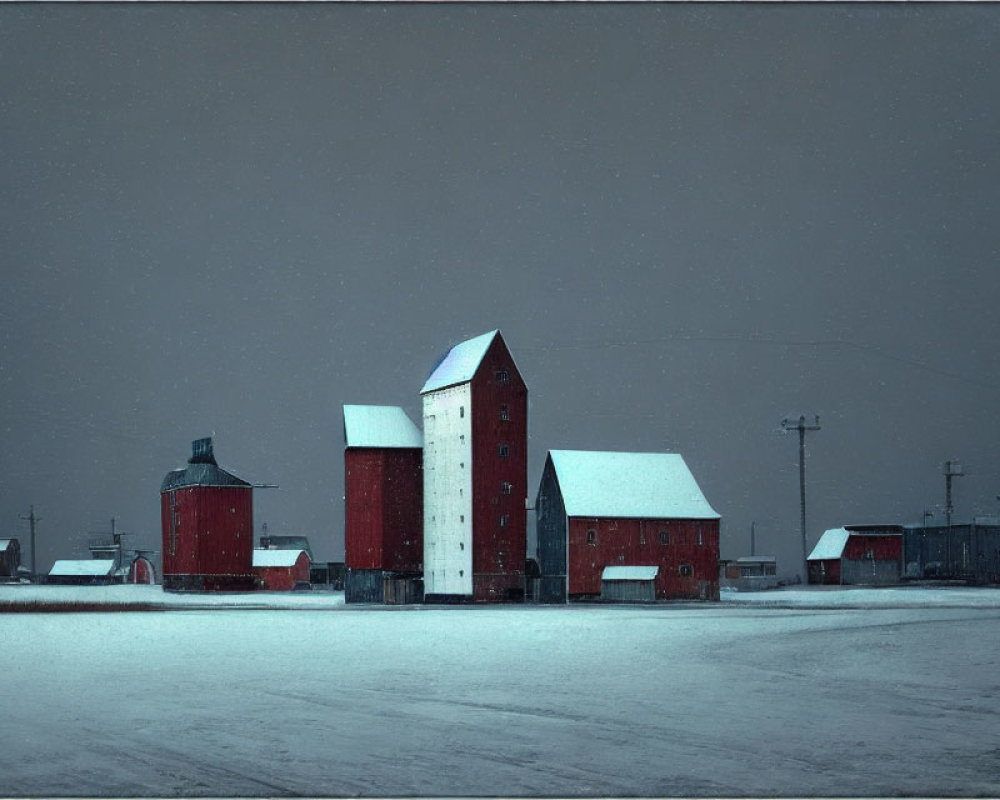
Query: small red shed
(383, 500)
(280, 570)
(207, 526)
(606, 509)
(141, 570)
(865, 555)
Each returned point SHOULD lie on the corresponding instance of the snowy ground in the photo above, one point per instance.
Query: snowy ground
(837, 692)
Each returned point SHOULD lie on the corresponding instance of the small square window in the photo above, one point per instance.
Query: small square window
(504, 413)
(503, 520)
(592, 537)
(686, 570)
(502, 377)
(505, 487)
(664, 537)
(504, 451)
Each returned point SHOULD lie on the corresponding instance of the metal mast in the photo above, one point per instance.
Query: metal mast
(802, 427)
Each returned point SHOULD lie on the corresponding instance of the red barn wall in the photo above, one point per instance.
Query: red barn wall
(882, 548)
(283, 579)
(498, 548)
(383, 508)
(635, 542)
(214, 531)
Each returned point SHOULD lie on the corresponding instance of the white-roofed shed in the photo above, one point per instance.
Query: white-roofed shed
(380, 426)
(830, 545)
(276, 558)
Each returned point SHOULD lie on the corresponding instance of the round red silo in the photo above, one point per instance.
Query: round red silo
(207, 526)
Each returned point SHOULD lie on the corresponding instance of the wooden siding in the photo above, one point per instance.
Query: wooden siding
(207, 537)
(499, 520)
(383, 509)
(634, 542)
(825, 572)
(879, 547)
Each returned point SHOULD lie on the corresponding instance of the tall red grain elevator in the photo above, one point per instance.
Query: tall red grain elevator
(207, 525)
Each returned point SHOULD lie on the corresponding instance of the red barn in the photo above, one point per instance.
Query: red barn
(475, 409)
(280, 570)
(383, 488)
(596, 510)
(207, 526)
(863, 555)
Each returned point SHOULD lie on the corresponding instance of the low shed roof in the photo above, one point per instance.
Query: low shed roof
(460, 363)
(380, 426)
(635, 485)
(92, 567)
(276, 558)
(830, 545)
(629, 573)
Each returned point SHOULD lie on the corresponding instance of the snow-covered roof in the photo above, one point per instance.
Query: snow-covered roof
(276, 558)
(380, 426)
(200, 475)
(643, 485)
(755, 559)
(5, 543)
(82, 567)
(460, 364)
(830, 544)
(629, 573)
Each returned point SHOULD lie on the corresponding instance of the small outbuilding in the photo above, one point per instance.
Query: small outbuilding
(10, 558)
(750, 573)
(858, 555)
(967, 550)
(83, 572)
(629, 584)
(607, 509)
(280, 570)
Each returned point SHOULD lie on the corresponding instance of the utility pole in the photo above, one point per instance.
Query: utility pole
(952, 469)
(802, 427)
(32, 519)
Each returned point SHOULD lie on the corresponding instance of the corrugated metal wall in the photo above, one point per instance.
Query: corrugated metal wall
(628, 591)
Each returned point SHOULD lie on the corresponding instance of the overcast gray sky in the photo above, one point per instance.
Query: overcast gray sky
(689, 221)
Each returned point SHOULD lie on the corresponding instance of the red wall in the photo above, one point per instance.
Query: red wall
(883, 548)
(498, 551)
(383, 509)
(282, 579)
(141, 571)
(214, 531)
(634, 542)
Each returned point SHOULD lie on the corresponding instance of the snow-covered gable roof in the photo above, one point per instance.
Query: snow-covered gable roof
(380, 426)
(276, 558)
(93, 567)
(830, 544)
(636, 485)
(629, 573)
(460, 364)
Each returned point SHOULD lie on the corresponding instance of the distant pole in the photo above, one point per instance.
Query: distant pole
(32, 519)
(952, 469)
(802, 427)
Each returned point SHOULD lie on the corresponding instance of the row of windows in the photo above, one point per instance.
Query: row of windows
(664, 537)
(504, 412)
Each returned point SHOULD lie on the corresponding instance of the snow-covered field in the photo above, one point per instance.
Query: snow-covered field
(836, 692)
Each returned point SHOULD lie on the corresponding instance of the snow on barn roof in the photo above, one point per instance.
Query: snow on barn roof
(610, 484)
(5, 543)
(830, 544)
(276, 558)
(380, 426)
(629, 573)
(92, 567)
(460, 364)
